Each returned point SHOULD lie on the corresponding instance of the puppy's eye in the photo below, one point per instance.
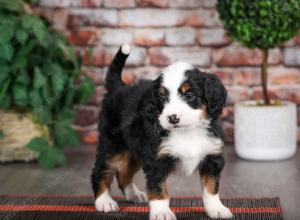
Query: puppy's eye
(189, 96)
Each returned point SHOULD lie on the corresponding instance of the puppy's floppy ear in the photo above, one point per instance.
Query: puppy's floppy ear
(215, 94)
(151, 102)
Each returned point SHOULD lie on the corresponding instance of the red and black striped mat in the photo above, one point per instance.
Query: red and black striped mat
(32, 207)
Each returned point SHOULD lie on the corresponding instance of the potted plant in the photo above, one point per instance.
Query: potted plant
(264, 129)
(39, 85)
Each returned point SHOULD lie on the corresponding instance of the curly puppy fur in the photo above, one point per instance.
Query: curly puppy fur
(168, 125)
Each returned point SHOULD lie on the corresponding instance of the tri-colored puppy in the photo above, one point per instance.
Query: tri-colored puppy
(165, 126)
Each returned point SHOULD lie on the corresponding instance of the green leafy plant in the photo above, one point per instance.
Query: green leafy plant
(260, 23)
(40, 74)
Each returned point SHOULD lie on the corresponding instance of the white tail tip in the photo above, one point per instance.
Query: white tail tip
(125, 49)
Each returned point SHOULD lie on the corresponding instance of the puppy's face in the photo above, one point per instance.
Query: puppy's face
(188, 96)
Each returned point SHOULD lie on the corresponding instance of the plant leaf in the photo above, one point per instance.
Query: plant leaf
(36, 100)
(35, 25)
(60, 158)
(46, 94)
(47, 159)
(23, 78)
(61, 131)
(39, 80)
(58, 79)
(70, 93)
(86, 89)
(7, 32)
(40, 31)
(11, 5)
(73, 138)
(4, 88)
(66, 117)
(5, 102)
(44, 114)
(28, 22)
(6, 52)
(27, 48)
(22, 36)
(38, 144)
(20, 94)
(4, 70)
(19, 62)
(52, 157)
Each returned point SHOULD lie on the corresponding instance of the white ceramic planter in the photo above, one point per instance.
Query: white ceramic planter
(265, 132)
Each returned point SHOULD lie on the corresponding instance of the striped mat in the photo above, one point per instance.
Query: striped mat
(32, 207)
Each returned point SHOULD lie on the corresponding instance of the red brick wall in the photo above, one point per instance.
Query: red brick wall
(161, 32)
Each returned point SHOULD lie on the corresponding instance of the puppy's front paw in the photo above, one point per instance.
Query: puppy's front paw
(218, 211)
(104, 203)
(166, 214)
(134, 194)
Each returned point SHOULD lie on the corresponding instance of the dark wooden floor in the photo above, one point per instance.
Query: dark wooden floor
(240, 178)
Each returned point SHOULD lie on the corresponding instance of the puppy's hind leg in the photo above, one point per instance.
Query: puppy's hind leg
(102, 177)
(128, 166)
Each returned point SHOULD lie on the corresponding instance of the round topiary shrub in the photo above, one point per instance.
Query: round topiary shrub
(262, 24)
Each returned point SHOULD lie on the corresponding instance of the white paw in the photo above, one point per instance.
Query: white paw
(166, 214)
(132, 193)
(218, 211)
(104, 203)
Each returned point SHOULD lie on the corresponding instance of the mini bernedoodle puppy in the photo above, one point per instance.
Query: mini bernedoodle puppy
(165, 126)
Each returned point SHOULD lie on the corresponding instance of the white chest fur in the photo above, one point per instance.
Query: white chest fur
(190, 147)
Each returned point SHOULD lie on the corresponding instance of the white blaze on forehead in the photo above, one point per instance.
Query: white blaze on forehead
(173, 78)
(174, 75)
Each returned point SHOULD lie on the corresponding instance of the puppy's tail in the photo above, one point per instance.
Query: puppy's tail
(113, 78)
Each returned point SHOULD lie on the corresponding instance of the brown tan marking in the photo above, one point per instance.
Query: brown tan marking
(162, 91)
(127, 168)
(203, 112)
(210, 184)
(105, 182)
(113, 163)
(184, 87)
(164, 194)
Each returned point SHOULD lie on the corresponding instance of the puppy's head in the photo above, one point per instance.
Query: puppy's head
(189, 97)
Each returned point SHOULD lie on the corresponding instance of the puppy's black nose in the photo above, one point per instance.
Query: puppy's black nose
(173, 119)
